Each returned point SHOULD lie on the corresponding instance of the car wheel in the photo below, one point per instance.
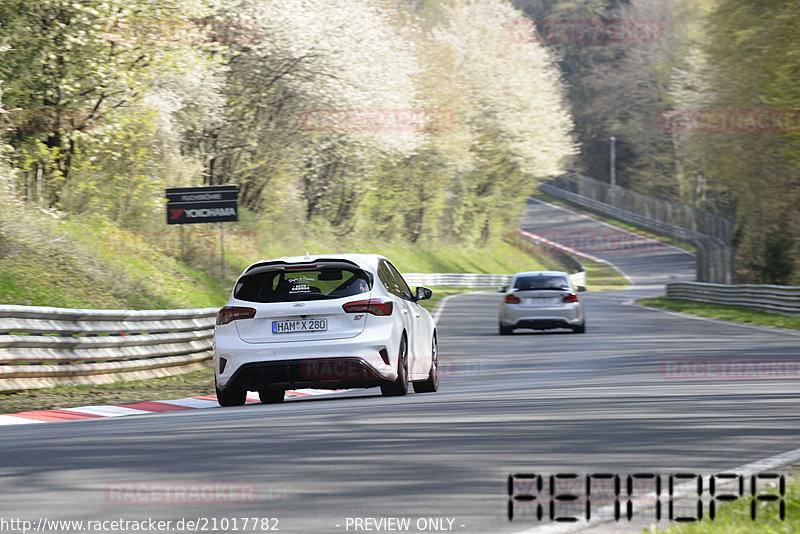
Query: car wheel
(432, 383)
(233, 395)
(271, 396)
(580, 329)
(400, 386)
(506, 330)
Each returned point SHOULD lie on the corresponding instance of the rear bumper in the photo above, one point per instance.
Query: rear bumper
(328, 373)
(324, 364)
(541, 318)
(543, 324)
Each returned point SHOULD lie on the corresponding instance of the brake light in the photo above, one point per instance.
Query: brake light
(379, 307)
(572, 297)
(232, 313)
(512, 299)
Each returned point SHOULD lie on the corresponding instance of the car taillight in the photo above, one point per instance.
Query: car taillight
(373, 306)
(232, 313)
(512, 299)
(572, 297)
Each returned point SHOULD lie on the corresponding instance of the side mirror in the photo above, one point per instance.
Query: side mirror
(502, 289)
(581, 288)
(424, 293)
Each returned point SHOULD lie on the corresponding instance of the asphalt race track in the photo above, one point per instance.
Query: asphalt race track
(604, 401)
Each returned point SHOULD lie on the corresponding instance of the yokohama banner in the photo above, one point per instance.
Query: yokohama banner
(189, 205)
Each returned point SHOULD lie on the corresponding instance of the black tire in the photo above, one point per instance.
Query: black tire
(580, 329)
(271, 396)
(233, 395)
(399, 387)
(432, 383)
(506, 330)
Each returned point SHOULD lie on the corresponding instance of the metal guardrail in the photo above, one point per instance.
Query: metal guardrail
(700, 221)
(714, 258)
(457, 279)
(523, 240)
(781, 300)
(477, 281)
(43, 347)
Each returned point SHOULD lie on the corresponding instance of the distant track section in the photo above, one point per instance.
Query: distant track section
(646, 261)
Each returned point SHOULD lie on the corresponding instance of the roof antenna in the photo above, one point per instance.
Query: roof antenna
(308, 256)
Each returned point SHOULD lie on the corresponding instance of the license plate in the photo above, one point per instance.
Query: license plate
(299, 325)
(542, 301)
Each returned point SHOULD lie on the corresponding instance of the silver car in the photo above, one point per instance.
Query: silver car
(541, 300)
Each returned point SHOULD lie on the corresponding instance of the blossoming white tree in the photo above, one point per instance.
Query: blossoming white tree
(507, 84)
(312, 58)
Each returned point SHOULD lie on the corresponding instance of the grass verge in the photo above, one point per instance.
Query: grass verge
(735, 518)
(720, 311)
(602, 276)
(544, 197)
(47, 261)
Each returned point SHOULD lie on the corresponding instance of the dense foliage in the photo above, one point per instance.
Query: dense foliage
(712, 56)
(357, 116)
(405, 120)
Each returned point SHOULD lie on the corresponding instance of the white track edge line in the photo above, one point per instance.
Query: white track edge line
(439, 308)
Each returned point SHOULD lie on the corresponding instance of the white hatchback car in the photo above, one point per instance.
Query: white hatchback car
(327, 322)
(541, 300)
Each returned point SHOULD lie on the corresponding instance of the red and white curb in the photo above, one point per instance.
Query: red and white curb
(559, 246)
(139, 408)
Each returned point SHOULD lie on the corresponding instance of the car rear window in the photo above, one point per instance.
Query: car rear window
(541, 282)
(292, 283)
